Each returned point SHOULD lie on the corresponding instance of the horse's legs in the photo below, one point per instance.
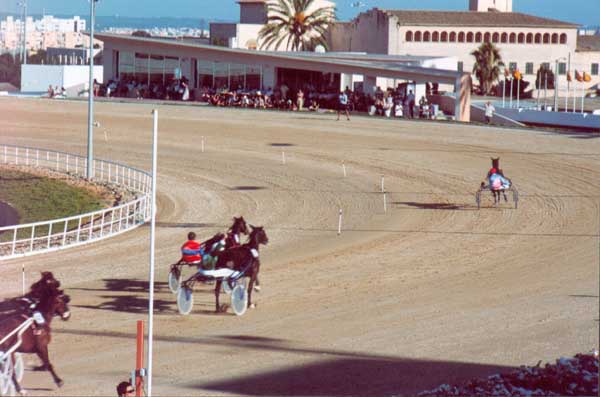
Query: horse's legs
(42, 352)
(14, 376)
(217, 293)
(253, 279)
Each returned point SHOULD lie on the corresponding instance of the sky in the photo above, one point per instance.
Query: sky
(585, 12)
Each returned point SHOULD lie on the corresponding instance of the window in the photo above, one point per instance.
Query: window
(546, 38)
(452, 37)
(237, 76)
(253, 77)
(521, 38)
(417, 36)
(156, 69)
(460, 66)
(409, 36)
(563, 38)
(205, 74)
(478, 37)
(594, 69)
(546, 65)
(538, 38)
(504, 38)
(529, 38)
(555, 38)
(444, 37)
(512, 38)
(435, 37)
(141, 68)
(461, 37)
(172, 68)
(470, 37)
(495, 38)
(126, 65)
(426, 36)
(512, 66)
(562, 68)
(529, 68)
(486, 37)
(221, 75)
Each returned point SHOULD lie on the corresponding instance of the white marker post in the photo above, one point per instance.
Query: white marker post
(152, 238)
(202, 144)
(382, 184)
(283, 158)
(344, 168)
(384, 202)
(340, 223)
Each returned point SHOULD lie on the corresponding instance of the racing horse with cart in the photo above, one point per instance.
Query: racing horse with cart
(232, 267)
(28, 330)
(212, 248)
(498, 185)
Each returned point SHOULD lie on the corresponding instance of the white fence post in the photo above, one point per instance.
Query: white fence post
(17, 156)
(32, 238)
(37, 157)
(64, 239)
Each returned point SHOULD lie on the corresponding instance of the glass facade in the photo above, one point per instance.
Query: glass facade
(159, 69)
(231, 76)
(147, 68)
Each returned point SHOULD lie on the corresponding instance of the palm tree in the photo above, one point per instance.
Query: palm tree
(488, 64)
(299, 22)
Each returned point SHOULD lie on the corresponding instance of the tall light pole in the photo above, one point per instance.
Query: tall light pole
(90, 151)
(24, 40)
(556, 82)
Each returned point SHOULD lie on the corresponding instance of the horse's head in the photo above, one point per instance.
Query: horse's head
(239, 225)
(45, 285)
(61, 306)
(258, 235)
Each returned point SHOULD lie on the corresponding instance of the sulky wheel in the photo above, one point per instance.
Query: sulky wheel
(185, 300)
(239, 299)
(174, 279)
(516, 197)
(478, 199)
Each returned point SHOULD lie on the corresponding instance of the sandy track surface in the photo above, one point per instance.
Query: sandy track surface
(432, 291)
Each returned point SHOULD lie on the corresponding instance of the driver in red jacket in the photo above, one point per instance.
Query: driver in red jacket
(192, 251)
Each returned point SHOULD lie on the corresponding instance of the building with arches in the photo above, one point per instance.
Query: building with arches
(525, 41)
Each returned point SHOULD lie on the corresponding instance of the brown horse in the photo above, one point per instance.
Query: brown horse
(47, 301)
(243, 259)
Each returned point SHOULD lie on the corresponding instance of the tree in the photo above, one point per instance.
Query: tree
(487, 67)
(544, 73)
(298, 23)
(10, 70)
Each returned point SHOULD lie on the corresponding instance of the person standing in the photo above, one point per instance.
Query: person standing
(411, 104)
(300, 100)
(489, 112)
(343, 106)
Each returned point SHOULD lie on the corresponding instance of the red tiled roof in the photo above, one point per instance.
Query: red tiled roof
(474, 18)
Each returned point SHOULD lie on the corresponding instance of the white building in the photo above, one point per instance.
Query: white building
(525, 41)
(42, 33)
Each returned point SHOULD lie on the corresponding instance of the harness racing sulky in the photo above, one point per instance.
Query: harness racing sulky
(499, 185)
(25, 328)
(235, 271)
(204, 255)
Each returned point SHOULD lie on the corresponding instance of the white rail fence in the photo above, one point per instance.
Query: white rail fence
(35, 238)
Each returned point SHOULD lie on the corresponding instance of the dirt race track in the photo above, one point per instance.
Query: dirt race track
(433, 291)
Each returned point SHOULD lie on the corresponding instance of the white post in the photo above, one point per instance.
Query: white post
(340, 223)
(202, 144)
(65, 233)
(511, 90)
(283, 158)
(384, 202)
(582, 95)
(504, 92)
(67, 163)
(518, 91)
(382, 184)
(14, 243)
(17, 156)
(37, 158)
(344, 168)
(76, 164)
(152, 237)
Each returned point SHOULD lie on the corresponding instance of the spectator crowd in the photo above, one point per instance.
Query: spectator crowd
(393, 102)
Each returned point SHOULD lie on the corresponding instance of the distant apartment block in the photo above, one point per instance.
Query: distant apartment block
(42, 33)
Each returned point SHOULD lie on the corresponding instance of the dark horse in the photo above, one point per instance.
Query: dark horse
(243, 259)
(45, 301)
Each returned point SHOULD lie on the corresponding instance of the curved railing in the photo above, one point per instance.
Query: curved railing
(35, 238)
